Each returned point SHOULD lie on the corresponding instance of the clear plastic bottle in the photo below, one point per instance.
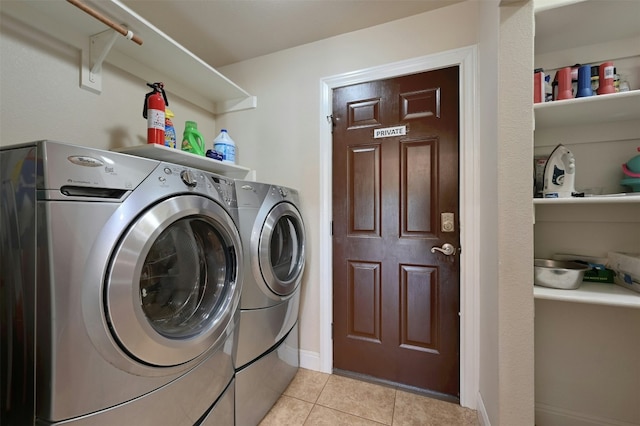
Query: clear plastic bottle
(226, 146)
(624, 83)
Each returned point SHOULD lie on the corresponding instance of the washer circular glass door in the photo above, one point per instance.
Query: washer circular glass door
(173, 283)
(281, 249)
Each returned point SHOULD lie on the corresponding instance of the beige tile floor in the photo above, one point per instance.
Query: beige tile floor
(315, 398)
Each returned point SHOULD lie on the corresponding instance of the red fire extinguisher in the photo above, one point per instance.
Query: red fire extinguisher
(153, 111)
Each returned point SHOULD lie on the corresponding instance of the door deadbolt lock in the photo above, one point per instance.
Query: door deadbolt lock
(446, 220)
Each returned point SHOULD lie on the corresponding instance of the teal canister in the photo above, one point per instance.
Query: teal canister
(192, 140)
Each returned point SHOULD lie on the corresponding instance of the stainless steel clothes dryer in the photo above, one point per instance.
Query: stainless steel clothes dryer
(120, 288)
(273, 237)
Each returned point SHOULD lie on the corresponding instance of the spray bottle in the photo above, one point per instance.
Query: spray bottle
(154, 112)
(170, 139)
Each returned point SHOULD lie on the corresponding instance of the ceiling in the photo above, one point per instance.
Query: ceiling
(222, 32)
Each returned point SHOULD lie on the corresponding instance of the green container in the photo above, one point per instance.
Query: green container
(192, 140)
(599, 275)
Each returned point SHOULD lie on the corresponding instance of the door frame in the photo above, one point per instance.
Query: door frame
(466, 59)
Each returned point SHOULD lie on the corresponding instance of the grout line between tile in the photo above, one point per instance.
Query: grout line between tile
(395, 401)
(360, 417)
(308, 415)
(348, 414)
(322, 390)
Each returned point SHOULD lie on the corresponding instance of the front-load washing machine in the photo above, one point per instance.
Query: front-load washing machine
(120, 286)
(272, 231)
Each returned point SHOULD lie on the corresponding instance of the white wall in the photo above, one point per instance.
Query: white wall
(40, 96)
(282, 140)
(587, 364)
(515, 216)
(506, 294)
(488, 92)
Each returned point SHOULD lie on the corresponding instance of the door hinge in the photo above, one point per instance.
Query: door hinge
(331, 331)
(331, 227)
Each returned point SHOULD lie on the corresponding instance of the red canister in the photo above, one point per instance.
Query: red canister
(564, 84)
(606, 79)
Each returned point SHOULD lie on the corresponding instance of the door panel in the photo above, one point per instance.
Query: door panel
(418, 310)
(395, 302)
(364, 292)
(364, 191)
(416, 169)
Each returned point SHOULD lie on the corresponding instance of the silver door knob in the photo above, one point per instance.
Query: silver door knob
(447, 249)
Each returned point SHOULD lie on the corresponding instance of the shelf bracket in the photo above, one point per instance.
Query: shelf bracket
(92, 58)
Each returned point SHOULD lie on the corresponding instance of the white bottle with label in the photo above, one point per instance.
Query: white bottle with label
(226, 146)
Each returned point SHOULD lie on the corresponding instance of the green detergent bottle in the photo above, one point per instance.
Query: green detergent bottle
(192, 140)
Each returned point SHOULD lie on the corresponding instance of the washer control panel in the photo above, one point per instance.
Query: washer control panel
(215, 186)
(189, 178)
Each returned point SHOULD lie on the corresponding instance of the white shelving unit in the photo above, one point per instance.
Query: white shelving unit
(571, 221)
(573, 326)
(159, 58)
(592, 293)
(575, 112)
(163, 153)
(627, 198)
(594, 109)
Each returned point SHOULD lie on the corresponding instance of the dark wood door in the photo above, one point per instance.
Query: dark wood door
(395, 196)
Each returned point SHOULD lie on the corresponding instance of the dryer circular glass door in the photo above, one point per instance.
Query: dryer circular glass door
(281, 249)
(173, 283)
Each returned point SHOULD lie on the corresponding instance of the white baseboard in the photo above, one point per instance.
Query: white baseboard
(483, 418)
(311, 361)
(547, 415)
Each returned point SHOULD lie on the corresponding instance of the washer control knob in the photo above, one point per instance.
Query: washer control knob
(188, 178)
(283, 192)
